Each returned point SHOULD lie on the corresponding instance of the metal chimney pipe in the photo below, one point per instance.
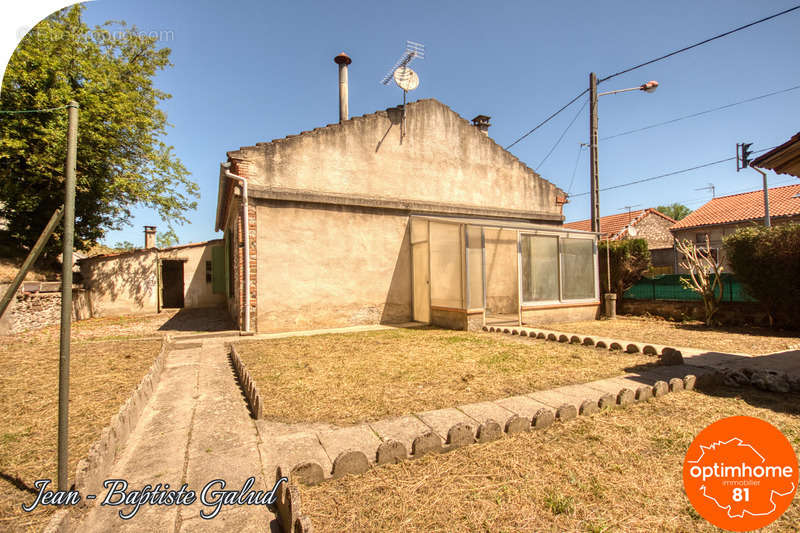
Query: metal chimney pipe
(343, 60)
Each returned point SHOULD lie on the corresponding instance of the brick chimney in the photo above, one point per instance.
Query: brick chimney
(149, 236)
(482, 123)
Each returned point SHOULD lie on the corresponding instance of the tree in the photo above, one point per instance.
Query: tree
(122, 159)
(166, 238)
(704, 275)
(126, 246)
(630, 260)
(676, 210)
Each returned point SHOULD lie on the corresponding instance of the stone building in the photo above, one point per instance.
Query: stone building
(648, 224)
(395, 216)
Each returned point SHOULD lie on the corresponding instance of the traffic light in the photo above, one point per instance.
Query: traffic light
(743, 154)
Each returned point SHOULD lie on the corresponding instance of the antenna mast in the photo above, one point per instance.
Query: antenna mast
(404, 77)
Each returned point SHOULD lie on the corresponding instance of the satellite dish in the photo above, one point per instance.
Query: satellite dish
(406, 79)
(632, 231)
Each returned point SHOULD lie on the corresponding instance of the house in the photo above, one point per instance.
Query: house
(149, 279)
(648, 224)
(725, 214)
(783, 159)
(398, 215)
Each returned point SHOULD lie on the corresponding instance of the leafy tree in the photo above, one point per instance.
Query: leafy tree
(125, 245)
(676, 210)
(166, 238)
(122, 159)
(630, 260)
(767, 262)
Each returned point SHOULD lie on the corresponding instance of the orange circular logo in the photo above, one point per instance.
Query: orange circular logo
(740, 473)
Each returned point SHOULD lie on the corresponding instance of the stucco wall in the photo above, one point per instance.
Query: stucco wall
(443, 158)
(502, 290)
(327, 266)
(127, 283)
(535, 317)
(121, 285)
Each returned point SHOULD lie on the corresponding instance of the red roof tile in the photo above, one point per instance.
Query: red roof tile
(616, 225)
(743, 207)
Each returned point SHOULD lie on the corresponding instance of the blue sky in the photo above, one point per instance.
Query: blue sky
(252, 71)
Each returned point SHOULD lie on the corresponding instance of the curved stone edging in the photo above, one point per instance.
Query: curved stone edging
(288, 506)
(666, 354)
(247, 383)
(96, 466)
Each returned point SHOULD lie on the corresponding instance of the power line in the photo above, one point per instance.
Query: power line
(575, 169)
(563, 133)
(699, 113)
(18, 111)
(545, 121)
(685, 48)
(651, 178)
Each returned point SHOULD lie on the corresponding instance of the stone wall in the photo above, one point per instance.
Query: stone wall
(730, 313)
(34, 310)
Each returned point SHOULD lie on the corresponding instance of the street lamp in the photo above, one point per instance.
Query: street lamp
(648, 87)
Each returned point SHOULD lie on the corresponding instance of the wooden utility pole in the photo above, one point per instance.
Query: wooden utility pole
(66, 296)
(594, 182)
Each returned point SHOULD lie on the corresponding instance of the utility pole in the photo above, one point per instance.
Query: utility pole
(767, 222)
(594, 180)
(66, 296)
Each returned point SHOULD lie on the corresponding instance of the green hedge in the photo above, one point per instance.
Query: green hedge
(767, 262)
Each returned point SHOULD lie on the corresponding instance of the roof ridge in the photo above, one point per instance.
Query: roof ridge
(755, 191)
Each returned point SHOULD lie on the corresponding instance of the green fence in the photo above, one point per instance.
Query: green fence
(669, 287)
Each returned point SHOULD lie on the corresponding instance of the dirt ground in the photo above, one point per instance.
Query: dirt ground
(750, 340)
(619, 470)
(102, 375)
(356, 377)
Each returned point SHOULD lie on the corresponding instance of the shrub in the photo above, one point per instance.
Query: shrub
(630, 260)
(767, 262)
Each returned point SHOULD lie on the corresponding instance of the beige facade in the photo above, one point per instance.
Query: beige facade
(330, 216)
(131, 282)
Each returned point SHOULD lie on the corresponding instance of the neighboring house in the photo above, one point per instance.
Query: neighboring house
(724, 215)
(783, 159)
(149, 279)
(648, 224)
(397, 216)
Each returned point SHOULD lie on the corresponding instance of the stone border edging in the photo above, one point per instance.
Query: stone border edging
(666, 354)
(92, 469)
(95, 467)
(247, 383)
(288, 506)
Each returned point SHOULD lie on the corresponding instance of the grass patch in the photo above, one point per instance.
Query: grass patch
(608, 472)
(102, 376)
(354, 377)
(751, 340)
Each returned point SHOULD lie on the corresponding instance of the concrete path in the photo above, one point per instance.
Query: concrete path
(196, 428)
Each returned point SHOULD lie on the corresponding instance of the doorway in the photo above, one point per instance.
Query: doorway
(172, 283)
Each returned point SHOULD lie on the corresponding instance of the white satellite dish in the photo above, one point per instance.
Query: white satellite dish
(406, 79)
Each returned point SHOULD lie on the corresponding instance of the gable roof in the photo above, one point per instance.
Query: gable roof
(616, 226)
(267, 159)
(783, 202)
(783, 159)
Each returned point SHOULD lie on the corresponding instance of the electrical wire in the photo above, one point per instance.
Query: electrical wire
(651, 178)
(699, 113)
(545, 121)
(575, 168)
(18, 111)
(563, 133)
(695, 45)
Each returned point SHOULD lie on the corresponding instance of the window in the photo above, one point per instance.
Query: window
(208, 271)
(557, 268)
(539, 268)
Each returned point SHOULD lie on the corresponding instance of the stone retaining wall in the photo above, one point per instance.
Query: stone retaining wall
(729, 314)
(34, 310)
(247, 383)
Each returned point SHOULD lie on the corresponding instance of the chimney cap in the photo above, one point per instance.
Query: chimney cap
(149, 228)
(481, 120)
(342, 59)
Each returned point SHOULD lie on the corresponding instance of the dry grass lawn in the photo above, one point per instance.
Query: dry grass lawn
(751, 340)
(615, 471)
(103, 374)
(354, 377)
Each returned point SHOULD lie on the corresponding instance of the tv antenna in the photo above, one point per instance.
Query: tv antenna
(709, 188)
(404, 77)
